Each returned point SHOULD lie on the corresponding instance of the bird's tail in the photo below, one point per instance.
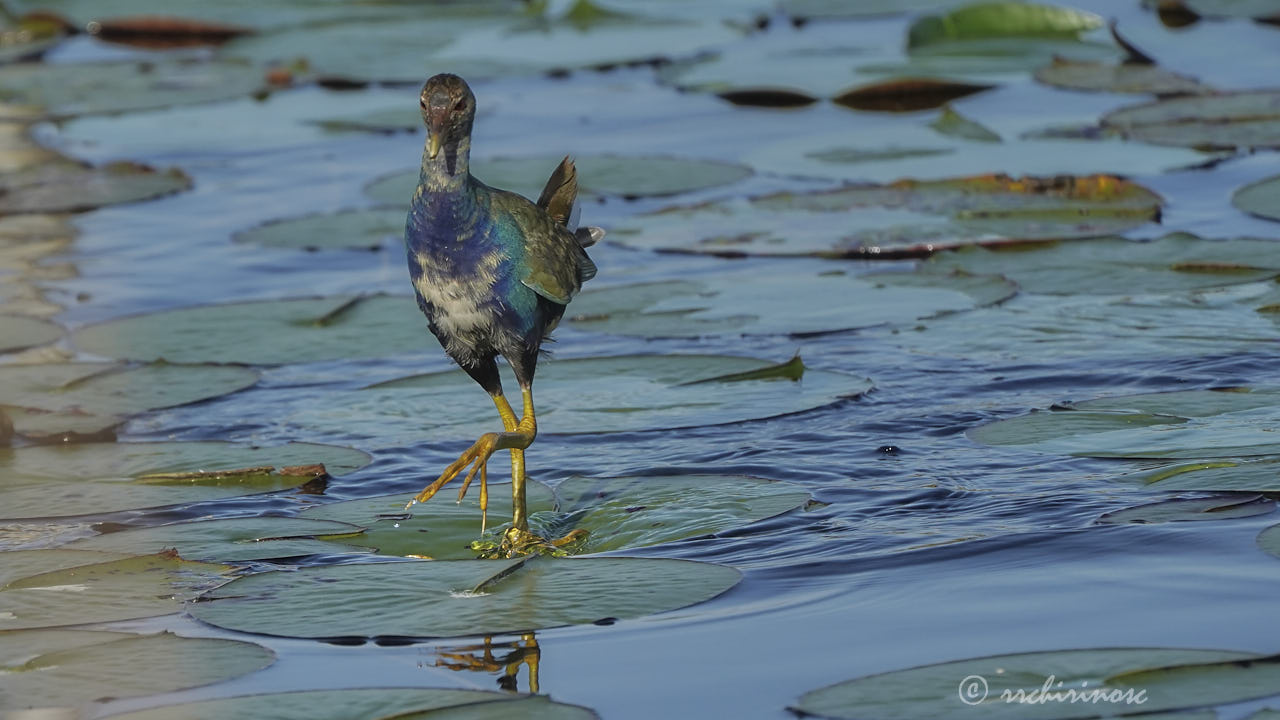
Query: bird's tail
(561, 192)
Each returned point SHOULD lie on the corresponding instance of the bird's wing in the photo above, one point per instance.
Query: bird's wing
(554, 264)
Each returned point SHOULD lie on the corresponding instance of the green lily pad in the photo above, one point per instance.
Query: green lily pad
(1261, 198)
(790, 300)
(805, 71)
(269, 332)
(590, 395)
(1215, 476)
(372, 229)
(1001, 686)
(839, 9)
(447, 598)
(1182, 509)
(905, 217)
(1123, 78)
(1237, 120)
(1186, 424)
(633, 176)
(370, 703)
(402, 118)
(59, 668)
(18, 333)
(65, 480)
(62, 90)
(1115, 266)
(87, 398)
(23, 563)
(439, 529)
(68, 187)
(132, 587)
(1000, 19)
(227, 540)
(952, 123)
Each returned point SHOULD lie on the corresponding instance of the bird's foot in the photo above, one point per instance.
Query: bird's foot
(477, 456)
(516, 542)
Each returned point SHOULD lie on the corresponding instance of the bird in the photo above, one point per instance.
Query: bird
(492, 273)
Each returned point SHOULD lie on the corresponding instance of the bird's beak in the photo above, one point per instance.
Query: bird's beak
(433, 143)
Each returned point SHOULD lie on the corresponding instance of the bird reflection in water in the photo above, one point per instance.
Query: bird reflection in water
(491, 657)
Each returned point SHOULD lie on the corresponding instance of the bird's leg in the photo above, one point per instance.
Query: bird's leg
(509, 423)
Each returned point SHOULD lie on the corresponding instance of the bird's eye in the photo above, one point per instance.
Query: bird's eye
(460, 106)
(423, 103)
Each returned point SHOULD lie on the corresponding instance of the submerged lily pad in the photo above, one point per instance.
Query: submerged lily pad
(447, 598)
(906, 94)
(1215, 476)
(590, 395)
(738, 71)
(631, 176)
(228, 539)
(371, 229)
(952, 123)
(990, 687)
(369, 703)
(1183, 509)
(64, 480)
(1234, 120)
(905, 217)
(23, 563)
(68, 187)
(17, 332)
(70, 399)
(61, 668)
(1261, 198)
(1122, 78)
(132, 587)
(265, 333)
(1115, 266)
(1269, 540)
(61, 90)
(790, 300)
(1187, 424)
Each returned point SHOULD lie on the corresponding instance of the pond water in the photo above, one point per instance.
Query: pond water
(920, 545)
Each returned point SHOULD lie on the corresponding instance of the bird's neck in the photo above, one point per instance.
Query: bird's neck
(449, 170)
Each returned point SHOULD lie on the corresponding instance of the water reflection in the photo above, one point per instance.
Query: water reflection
(497, 657)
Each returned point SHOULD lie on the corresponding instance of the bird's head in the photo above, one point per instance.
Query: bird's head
(448, 109)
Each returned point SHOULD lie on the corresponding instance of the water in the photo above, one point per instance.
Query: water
(924, 547)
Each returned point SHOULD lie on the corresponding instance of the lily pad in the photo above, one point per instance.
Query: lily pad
(1261, 198)
(65, 480)
(62, 90)
(1225, 507)
(1185, 424)
(1014, 33)
(1115, 266)
(86, 398)
(370, 703)
(227, 540)
(18, 333)
(905, 217)
(1269, 540)
(952, 123)
(371, 229)
(269, 332)
(906, 94)
(440, 529)
(68, 187)
(448, 598)
(1122, 78)
(590, 395)
(807, 72)
(1236, 120)
(132, 587)
(59, 668)
(1215, 476)
(991, 687)
(789, 300)
(629, 176)
(23, 563)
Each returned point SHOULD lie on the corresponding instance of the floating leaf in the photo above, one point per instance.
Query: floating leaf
(590, 395)
(447, 598)
(57, 481)
(792, 300)
(1261, 198)
(1216, 476)
(371, 229)
(17, 333)
(954, 124)
(1115, 266)
(907, 217)
(265, 333)
(439, 529)
(990, 687)
(23, 563)
(1257, 9)
(906, 94)
(132, 587)
(1225, 507)
(1223, 121)
(998, 20)
(228, 539)
(60, 668)
(1269, 540)
(1123, 78)
(67, 187)
(87, 398)
(1186, 424)
(370, 703)
(406, 118)
(758, 74)
(61, 90)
